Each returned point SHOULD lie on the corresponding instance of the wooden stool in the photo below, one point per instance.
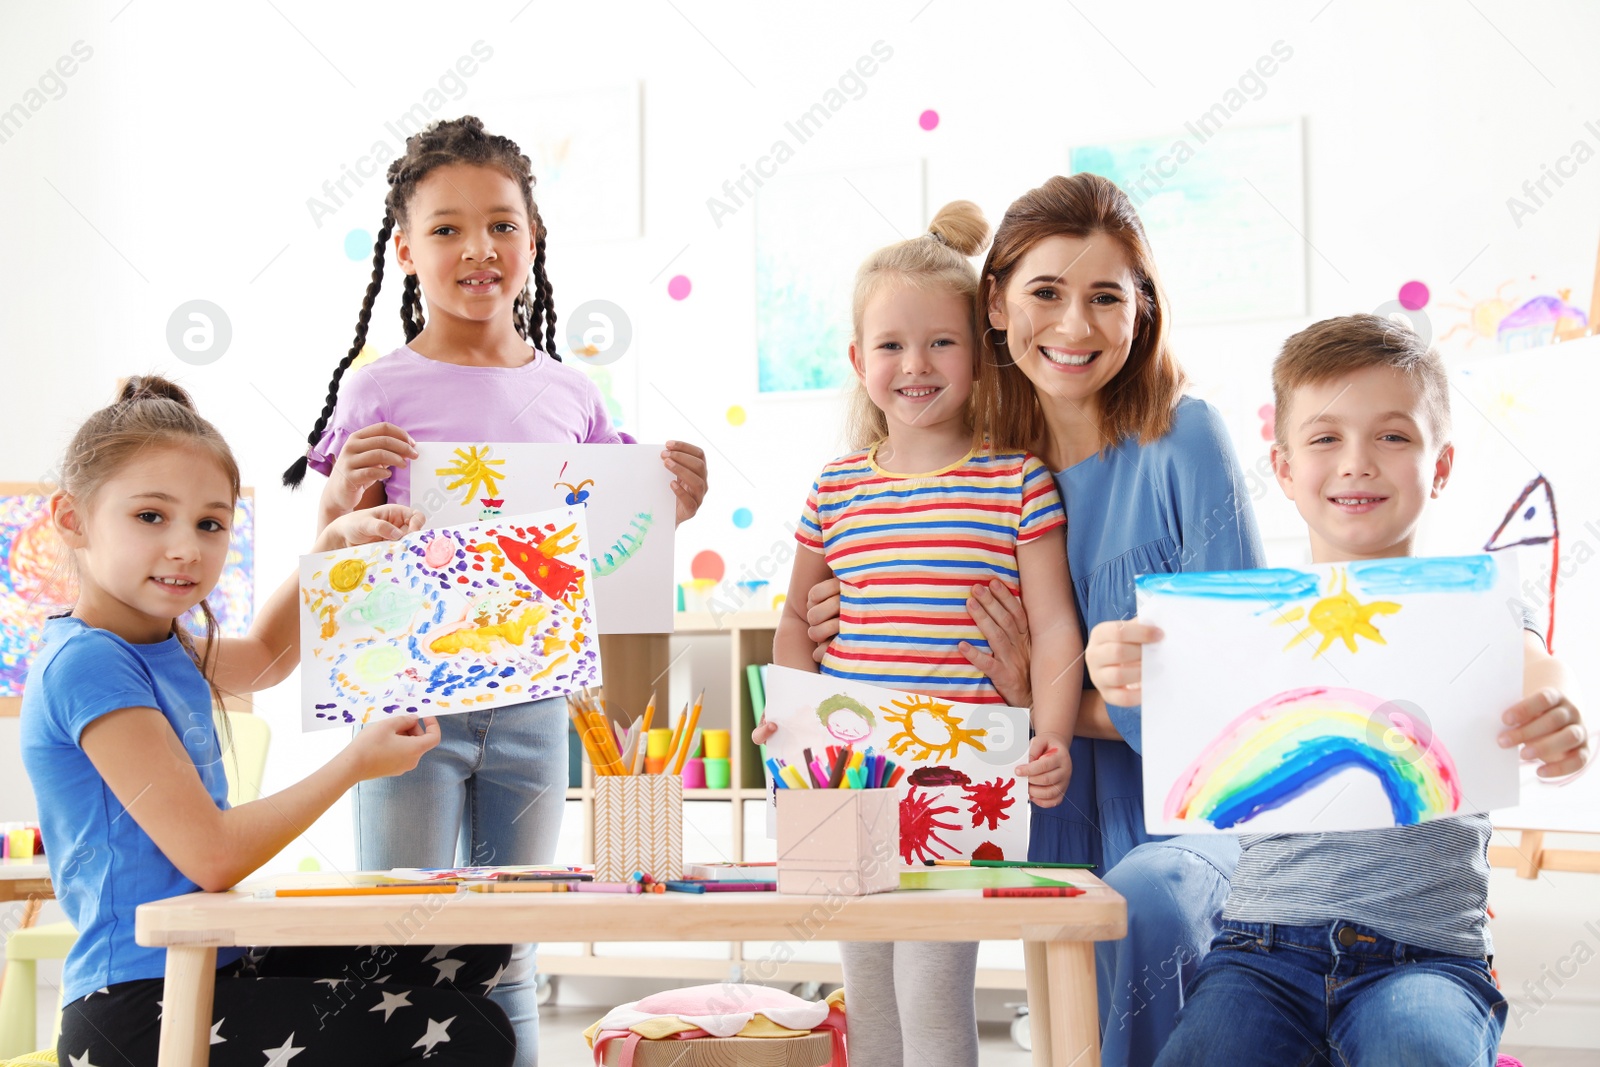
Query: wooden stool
(813, 1050)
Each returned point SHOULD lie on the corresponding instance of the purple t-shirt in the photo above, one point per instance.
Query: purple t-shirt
(543, 401)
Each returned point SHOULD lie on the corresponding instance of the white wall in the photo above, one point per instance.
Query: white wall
(178, 161)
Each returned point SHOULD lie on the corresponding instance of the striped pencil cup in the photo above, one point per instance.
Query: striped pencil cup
(638, 826)
(838, 842)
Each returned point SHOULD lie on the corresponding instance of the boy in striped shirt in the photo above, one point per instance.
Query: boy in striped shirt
(1368, 946)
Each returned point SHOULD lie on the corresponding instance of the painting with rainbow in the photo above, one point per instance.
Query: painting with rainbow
(1330, 697)
(450, 620)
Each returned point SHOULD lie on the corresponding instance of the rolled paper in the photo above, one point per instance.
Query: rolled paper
(716, 743)
(659, 744)
(694, 774)
(717, 773)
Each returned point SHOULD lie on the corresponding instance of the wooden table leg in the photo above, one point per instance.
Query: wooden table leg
(1037, 970)
(1074, 1005)
(1063, 1008)
(186, 1007)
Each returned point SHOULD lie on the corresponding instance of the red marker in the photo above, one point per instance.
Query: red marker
(1035, 891)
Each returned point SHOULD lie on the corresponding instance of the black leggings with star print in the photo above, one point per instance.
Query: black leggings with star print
(304, 1007)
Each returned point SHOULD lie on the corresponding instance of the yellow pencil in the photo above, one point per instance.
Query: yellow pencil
(580, 724)
(672, 746)
(688, 735)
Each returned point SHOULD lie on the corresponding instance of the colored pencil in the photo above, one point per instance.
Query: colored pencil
(399, 889)
(522, 887)
(1008, 863)
(607, 887)
(689, 886)
(644, 734)
(1034, 891)
(688, 734)
(677, 728)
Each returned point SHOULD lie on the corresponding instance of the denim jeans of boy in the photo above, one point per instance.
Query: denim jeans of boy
(1338, 994)
(491, 792)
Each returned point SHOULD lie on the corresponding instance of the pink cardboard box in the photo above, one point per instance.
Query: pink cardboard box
(838, 842)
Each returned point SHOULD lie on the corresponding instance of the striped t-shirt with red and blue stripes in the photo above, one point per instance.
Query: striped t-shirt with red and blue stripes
(908, 548)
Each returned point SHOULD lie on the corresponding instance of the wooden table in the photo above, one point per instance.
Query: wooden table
(1058, 936)
(25, 880)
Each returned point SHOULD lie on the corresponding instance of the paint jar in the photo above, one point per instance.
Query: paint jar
(654, 764)
(716, 743)
(717, 773)
(694, 773)
(658, 744)
(696, 594)
(20, 844)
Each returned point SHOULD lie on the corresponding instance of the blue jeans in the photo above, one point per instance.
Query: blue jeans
(492, 791)
(1341, 994)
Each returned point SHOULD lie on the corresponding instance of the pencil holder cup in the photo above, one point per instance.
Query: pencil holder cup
(838, 842)
(638, 826)
(694, 773)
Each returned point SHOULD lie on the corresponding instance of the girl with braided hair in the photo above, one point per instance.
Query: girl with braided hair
(480, 365)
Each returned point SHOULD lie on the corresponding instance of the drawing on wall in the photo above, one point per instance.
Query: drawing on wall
(448, 620)
(36, 580)
(1531, 520)
(624, 492)
(960, 796)
(812, 232)
(1244, 733)
(1214, 204)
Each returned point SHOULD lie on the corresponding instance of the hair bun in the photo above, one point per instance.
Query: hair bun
(960, 225)
(153, 387)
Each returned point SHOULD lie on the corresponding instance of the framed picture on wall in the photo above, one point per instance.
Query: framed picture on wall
(36, 580)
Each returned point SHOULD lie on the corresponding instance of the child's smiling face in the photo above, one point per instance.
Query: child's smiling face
(915, 354)
(151, 542)
(469, 241)
(1360, 460)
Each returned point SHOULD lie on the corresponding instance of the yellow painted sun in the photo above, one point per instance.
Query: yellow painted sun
(1339, 616)
(927, 730)
(474, 470)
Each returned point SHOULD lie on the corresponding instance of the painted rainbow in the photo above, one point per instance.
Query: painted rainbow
(1292, 742)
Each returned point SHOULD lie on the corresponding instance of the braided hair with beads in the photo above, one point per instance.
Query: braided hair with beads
(461, 140)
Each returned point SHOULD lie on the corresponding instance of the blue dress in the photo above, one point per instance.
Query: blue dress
(1176, 504)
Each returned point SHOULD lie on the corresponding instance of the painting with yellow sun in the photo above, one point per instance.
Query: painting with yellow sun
(959, 794)
(1274, 700)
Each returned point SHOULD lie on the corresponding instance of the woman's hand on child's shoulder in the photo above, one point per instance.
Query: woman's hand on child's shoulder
(386, 522)
(1551, 730)
(392, 746)
(1048, 770)
(368, 457)
(688, 465)
(1115, 658)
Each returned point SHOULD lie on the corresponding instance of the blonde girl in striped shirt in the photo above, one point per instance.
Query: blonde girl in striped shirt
(927, 505)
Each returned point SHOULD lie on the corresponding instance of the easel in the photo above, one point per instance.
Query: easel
(1529, 858)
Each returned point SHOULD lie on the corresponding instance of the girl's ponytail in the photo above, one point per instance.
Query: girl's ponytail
(297, 470)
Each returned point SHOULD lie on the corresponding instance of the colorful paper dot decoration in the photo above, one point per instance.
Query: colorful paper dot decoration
(1413, 296)
(708, 567)
(929, 119)
(736, 416)
(678, 287)
(358, 244)
(742, 518)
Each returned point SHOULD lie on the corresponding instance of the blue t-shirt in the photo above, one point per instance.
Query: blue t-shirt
(102, 863)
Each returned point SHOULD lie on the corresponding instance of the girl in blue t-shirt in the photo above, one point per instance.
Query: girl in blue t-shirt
(117, 720)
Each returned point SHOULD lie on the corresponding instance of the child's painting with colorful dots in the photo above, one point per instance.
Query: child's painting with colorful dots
(959, 795)
(449, 620)
(625, 493)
